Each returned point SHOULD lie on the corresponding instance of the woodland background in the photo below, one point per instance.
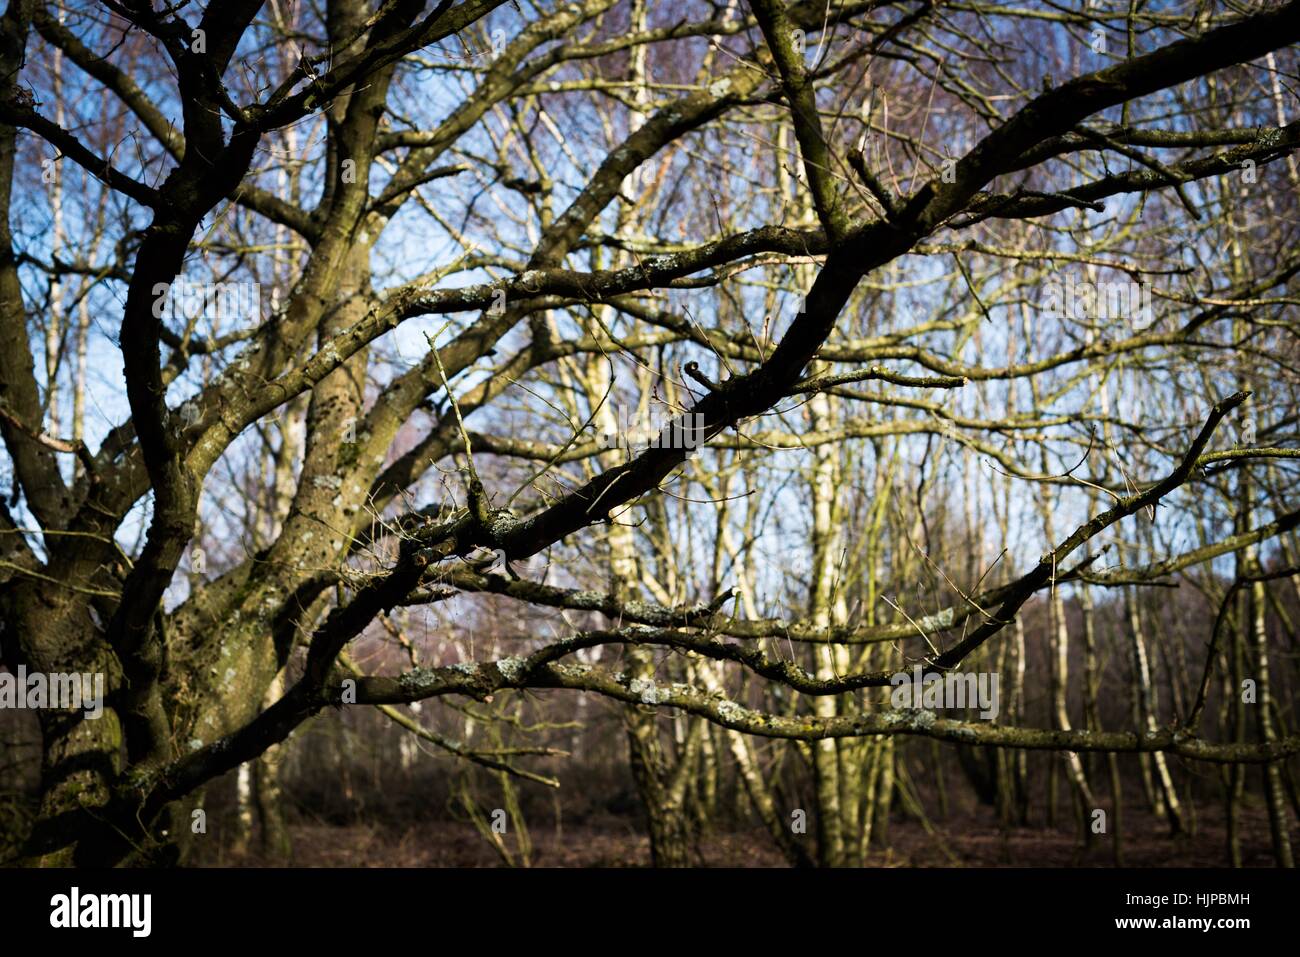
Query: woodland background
(479, 233)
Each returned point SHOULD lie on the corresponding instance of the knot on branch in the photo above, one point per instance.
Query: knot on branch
(692, 369)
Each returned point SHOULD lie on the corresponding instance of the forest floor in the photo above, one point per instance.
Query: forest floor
(968, 839)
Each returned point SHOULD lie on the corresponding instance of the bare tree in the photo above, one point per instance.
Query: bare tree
(380, 276)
